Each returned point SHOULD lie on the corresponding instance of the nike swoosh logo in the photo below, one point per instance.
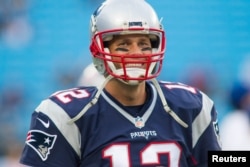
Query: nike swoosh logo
(46, 125)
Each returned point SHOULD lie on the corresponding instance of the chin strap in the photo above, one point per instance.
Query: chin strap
(92, 102)
(165, 104)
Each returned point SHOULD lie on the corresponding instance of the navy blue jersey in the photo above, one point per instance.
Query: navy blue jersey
(109, 134)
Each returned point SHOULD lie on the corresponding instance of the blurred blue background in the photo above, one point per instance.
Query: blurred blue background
(44, 48)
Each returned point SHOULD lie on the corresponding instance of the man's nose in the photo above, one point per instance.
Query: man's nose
(135, 49)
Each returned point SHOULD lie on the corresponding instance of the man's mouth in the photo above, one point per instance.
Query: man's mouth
(134, 65)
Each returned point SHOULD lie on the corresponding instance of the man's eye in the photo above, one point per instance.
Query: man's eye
(121, 49)
(147, 49)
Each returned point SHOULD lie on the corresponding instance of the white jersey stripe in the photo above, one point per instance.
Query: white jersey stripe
(60, 119)
(203, 120)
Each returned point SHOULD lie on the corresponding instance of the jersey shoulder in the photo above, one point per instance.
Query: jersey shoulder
(182, 94)
(70, 100)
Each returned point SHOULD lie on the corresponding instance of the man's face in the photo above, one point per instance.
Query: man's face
(132, 47)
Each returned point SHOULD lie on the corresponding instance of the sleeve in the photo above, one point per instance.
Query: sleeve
(205, 131)
(51, 141)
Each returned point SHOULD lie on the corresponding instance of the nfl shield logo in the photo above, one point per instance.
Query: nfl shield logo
(139, 123)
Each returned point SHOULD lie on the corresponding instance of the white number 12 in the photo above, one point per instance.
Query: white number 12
(119, 154)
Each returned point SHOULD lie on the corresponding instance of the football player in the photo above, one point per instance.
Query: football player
(131, 120)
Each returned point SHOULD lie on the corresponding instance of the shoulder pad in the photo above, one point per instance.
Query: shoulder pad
(73, 100)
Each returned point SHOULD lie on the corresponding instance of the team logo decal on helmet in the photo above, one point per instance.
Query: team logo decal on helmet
(98, 10)
(41, 142)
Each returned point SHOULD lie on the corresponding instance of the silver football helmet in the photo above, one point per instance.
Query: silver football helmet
(118, 17)
(121, 17)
